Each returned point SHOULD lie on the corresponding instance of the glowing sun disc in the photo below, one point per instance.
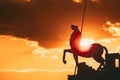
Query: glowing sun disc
(77, 1)
(85, 44)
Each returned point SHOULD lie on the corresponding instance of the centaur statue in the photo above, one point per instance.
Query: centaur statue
(95, 51)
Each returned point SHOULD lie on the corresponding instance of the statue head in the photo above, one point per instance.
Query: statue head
(74, 27)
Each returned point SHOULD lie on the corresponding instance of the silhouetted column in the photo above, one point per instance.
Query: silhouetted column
(119, 63)
(110, 61)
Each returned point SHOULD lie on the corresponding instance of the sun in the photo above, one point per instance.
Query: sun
(24, 1)
(77, 1)
(85, 44)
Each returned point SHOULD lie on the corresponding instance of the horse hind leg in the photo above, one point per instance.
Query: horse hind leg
(100, 60)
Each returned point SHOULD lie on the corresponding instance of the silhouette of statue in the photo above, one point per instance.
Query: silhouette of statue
(75, 38)
(95, 51)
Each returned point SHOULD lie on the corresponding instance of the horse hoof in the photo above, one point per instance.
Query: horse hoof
(64, 62)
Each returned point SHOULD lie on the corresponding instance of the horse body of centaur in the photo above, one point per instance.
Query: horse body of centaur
(95, 51)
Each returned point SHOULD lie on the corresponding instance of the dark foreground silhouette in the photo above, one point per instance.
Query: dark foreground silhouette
(109, 68)
(111, 71)
(95, 51)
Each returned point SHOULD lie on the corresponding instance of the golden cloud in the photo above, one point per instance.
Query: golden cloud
(77, 1)
(42, 57)
(21, 0)
(112, 28)
(38, 51)
(21, 54)
(80, 1)
(36, 70)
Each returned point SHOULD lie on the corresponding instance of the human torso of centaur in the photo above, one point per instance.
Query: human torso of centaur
(75, 39)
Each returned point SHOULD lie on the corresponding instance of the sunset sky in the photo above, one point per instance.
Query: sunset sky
(34, 33)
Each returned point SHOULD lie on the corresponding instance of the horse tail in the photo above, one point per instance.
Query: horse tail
(105, 49)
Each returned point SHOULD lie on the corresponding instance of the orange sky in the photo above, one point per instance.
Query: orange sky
(48, 22)
(32, 38)
(24, 56)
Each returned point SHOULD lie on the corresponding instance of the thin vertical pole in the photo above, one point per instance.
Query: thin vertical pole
(119, 63)
(83, 15)
(75, 72)
(82, 24)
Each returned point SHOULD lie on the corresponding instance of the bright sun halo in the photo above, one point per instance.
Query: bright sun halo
(85, 44)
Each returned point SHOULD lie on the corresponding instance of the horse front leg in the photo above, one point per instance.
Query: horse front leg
(75, 58)
(64, 54)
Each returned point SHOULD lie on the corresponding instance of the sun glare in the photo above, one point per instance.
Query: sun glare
(80, 1)
(77, 1)
(25, 1)
(85, 44)
(95, 0)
